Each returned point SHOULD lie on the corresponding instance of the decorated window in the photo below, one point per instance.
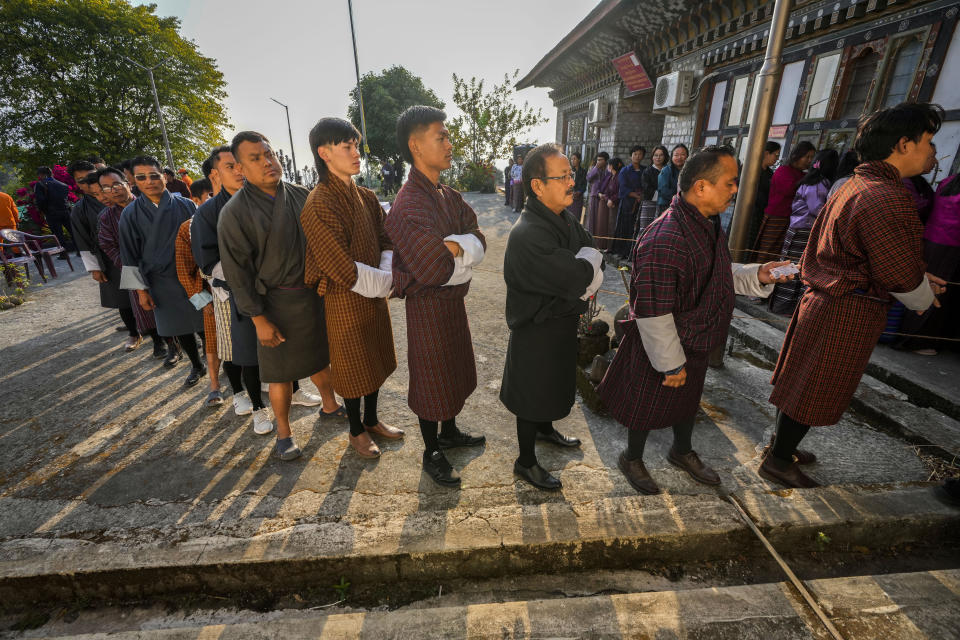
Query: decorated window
(904, 59)
(821, 87)
(863, 68)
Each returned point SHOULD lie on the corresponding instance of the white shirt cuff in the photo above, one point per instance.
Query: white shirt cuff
(201, 299)
(472, 248)
(919, 299)
(130, 278)
(661, 342)
(745, 282)
(461, 273)
(90, 262)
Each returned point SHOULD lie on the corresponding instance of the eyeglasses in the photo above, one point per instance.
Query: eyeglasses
(114, 187)
(150, 176)
(569, 177)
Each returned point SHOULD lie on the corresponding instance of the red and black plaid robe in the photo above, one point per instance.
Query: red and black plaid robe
(865, 243)
(681, 266)
(109, 240)
(443, 372)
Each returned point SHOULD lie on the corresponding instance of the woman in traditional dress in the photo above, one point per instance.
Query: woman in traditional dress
(783, 186)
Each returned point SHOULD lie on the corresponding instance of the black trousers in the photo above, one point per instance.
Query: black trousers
(60, 227)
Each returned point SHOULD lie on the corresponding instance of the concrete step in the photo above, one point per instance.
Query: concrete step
(896, 606)
(893, 409)
(501, 541)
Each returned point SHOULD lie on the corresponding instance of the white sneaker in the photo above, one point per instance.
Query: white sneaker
(262, 424)
(242, 406)
(306, 399)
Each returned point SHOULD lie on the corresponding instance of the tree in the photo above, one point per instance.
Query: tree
(66, 90)
(490, 122)
(385, 96)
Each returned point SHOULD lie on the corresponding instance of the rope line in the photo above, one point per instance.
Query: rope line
(624, 295)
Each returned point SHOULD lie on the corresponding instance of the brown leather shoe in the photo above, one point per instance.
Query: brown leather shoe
(692, 464)
(365, 446)
(637, 475)
(791, 477)
(385, 431)
(800, 456)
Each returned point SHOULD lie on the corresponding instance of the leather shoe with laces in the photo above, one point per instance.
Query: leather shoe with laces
(537, 476)
(789, 476)
(440, 470)
(555, 437)
(691, 463)
(637, 475)
(459, 439)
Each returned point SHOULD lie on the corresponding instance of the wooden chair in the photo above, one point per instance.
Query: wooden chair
(12, 235)
(24, 257)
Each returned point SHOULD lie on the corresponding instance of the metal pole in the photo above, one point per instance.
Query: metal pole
(761, 116)
(293, 154)
(356, 64)
(156, 102)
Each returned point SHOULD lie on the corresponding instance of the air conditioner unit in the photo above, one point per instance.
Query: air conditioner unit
(673, 92)
(597, 112)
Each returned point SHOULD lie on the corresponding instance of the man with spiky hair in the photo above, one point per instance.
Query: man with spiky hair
(148, 233)
(263, 254)
(85, 231)
(437, 242)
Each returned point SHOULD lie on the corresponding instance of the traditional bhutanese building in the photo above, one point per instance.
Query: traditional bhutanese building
(652, 71)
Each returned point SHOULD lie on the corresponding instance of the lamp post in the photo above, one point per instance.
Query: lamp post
(293, 154)
(156, 102)
(363, 120)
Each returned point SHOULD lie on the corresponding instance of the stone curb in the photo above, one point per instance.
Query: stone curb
(888, 407)
(610, 533)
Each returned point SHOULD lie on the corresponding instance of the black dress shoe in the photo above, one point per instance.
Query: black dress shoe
(159, 350)
(460, 439)
(120, 328)
(537, 476)
(174, 355)
(558, 438)
(440, 471)
(195, 374)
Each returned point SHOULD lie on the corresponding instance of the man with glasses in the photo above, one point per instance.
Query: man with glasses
(263, 254)
(148, 233)
(551, 269)
(436, 243)
(115, 189)
(85, 231)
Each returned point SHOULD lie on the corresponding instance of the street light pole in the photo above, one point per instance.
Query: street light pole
(293, 154)
(363, 120)
(156, 102)
(761, 116)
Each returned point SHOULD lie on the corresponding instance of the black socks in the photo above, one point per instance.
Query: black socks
(789, 434)
(682, 434)
(370, 418)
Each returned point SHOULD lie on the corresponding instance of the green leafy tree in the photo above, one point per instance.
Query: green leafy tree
(385, 96)
(490, 121)
(66, 90)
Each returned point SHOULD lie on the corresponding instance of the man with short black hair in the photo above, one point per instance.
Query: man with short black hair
(436, 242)
(681, 301)
(865, 248)
(236, 335)
(263, 254)
(200, 191)
(631, 193)
(84, 226)
(551, 269)
(52, 198)
(148, 232)
(175, 185)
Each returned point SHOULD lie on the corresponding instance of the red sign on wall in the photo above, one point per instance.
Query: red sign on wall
(632, 72)
(778, 131)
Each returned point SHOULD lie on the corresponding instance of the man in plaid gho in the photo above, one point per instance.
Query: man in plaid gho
(865, 247)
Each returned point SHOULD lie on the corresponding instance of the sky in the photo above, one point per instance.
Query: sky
(299, 52)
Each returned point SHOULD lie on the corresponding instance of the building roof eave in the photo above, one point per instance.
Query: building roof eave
(596, 16)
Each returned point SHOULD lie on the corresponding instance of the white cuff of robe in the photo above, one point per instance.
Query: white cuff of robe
(745, 282)
(90, 262)
(217, 272)
(594, 285)
(919, 299)
(386, 260)
(591, 255)
(661, 342)
(461, 273)
(472, 248)
(130, 278)
(201, 299)
(372, 282)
